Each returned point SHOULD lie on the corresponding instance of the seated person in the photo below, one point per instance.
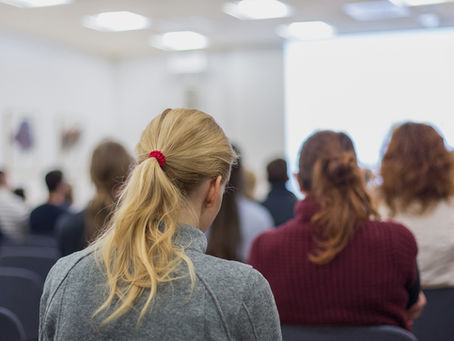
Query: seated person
(44, 217)
(280, 202)
(110, 164)
(418, 190)
(239, 221)
(13, 212)
(148, 277)
(335, 263)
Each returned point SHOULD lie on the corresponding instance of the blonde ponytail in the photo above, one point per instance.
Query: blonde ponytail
(137, 251)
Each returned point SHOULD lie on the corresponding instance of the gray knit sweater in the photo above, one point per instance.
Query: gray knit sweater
(230, 301)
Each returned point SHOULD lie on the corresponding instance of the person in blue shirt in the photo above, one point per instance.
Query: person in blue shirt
(44, 217)
(280, 202)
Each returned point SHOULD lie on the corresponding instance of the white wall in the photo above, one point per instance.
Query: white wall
(55, 86)
(243, 90)
(52, 85)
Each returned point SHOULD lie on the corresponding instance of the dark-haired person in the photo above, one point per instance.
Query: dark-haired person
(44, 217)
(110, 165)
(335, 263)
(239, 220)
(280, 202)
(418, 190)
(13, 212)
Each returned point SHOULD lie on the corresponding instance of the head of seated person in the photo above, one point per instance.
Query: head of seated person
(57, 186)
(109, 168)
(277, 172)
(183, 164)
(417, 170)
(329, 174)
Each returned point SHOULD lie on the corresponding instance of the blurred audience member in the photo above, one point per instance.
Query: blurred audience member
(43, 218)
(238, 222)
(249, 184)
(418, 191)
(69, 199)
(334, 263)
(279, 201)
(13, 212)
(110, 164)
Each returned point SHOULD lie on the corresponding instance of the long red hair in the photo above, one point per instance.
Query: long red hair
(330, 174)
(416, 168)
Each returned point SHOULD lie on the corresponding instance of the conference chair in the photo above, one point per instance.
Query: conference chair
(37, 259)
(20, 292)
(345, 333)
(39, 241)
(11, 328)
(436, 322)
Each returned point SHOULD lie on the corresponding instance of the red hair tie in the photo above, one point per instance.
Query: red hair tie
(159, 156)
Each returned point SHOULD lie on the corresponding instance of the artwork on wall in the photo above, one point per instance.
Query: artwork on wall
(70, 130)
(19, 137)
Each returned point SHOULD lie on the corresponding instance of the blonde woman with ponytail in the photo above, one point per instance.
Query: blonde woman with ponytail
(335, 263)
(147, 277)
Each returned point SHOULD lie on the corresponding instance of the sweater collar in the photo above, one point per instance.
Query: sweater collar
(306, 208)
(190, 238)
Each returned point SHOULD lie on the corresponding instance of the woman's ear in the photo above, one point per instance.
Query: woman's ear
(214, 189)
(300, 182)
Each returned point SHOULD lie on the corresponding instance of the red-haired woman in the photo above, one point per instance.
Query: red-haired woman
(335, 263)
(417, 190)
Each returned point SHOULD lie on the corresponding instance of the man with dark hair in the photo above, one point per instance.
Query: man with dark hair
(280, 201)
(44, 217)
(13, 212)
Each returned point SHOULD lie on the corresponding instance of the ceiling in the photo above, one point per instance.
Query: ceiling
(62, 24)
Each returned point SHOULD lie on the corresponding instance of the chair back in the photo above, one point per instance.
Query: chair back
(11, 328)
(37, 259)
(20, 292)
(436, 322)
(345, 333)
(38, 240)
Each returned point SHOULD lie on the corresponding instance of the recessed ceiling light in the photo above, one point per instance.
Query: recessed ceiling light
(418, 2)
(257, 9)
(35, 3)
(429, 20)
(375, 10)
(307, 30)
(116, 21)
(179, 41)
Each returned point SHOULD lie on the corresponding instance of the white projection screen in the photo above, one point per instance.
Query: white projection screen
(364, 84)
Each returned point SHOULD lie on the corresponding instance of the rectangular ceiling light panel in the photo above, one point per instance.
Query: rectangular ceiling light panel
(375, 10)
(116, 21)
(179, 41)
(418, 2)
(307, 30)
(35, 3)
(257, 9)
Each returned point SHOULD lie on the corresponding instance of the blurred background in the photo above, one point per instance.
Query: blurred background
(73, 72)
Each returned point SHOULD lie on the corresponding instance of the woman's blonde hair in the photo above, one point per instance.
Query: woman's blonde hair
(137, 252)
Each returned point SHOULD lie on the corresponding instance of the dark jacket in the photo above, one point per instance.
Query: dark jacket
(280, 203)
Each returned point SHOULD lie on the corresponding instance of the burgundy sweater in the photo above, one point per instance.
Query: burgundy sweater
(366, 284)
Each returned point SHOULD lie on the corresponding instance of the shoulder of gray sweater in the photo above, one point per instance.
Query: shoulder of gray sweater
(223, 277)
(63, 266)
